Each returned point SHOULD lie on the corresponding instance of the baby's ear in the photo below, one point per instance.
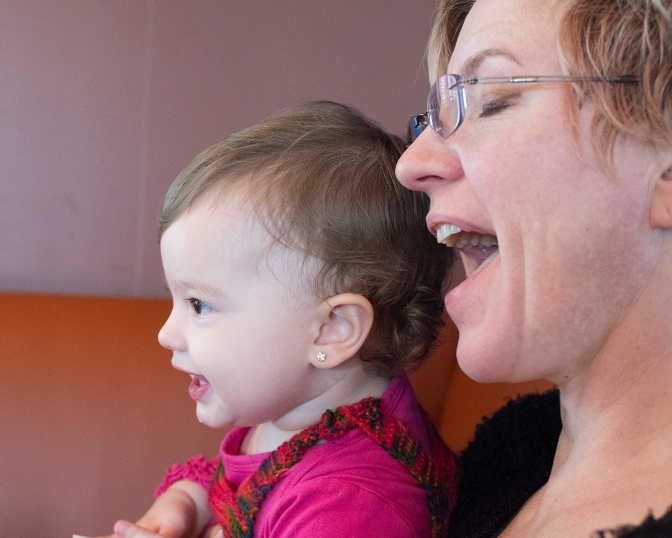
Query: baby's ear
(661, 203)
(346, 321)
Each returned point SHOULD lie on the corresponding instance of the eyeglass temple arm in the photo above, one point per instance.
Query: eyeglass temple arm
(549, 78)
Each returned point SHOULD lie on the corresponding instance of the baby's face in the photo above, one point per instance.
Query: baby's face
(243, 322)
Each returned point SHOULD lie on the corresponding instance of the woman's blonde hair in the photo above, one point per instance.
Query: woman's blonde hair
(599, 38)
(320, 177)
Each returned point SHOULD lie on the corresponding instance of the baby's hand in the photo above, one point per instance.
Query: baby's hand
(126, 529)
(214, 532)
(181, 512)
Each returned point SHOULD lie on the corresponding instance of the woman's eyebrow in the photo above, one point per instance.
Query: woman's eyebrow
(473, 63)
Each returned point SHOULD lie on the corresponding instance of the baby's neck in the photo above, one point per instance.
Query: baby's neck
(348, 390)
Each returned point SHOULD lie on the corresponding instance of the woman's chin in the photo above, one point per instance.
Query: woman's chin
(483, 363)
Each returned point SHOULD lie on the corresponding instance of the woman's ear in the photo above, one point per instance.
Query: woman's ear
(661, 204)
(345, 325)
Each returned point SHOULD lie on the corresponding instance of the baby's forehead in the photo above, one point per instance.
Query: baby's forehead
(228, 218)
(239, 231)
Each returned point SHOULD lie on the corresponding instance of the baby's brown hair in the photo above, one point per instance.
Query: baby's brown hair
(320, 177)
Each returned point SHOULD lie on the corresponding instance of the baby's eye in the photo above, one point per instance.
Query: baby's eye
(199, 306)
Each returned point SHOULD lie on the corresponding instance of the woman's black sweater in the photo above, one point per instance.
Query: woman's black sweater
(509, 459)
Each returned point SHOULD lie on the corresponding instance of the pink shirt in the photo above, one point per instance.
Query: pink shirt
(346, 487)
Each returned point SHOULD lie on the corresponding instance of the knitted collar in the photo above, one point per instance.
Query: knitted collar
(436, 473)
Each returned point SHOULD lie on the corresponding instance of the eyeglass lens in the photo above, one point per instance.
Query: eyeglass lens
(446, 105)
(445, 109)
(416, 125)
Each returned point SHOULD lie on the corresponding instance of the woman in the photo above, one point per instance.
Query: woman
(557, 193)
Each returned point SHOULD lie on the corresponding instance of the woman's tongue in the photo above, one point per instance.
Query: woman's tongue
(474, 258)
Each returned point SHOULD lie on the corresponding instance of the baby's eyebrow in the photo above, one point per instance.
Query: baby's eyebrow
(203, 287)
(197, 286)
(472, 64)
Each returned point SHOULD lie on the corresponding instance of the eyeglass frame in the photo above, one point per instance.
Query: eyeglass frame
(431, 118)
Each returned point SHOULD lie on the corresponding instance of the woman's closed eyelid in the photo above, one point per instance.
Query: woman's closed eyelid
(496, 105)
(493, 107)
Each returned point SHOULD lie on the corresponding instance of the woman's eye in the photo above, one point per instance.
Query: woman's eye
(495, 106)
(199, 306)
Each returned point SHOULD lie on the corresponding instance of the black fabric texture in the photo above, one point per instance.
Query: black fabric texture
(650, 528)
(508, 460)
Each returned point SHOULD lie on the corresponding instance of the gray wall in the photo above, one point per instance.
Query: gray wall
(103, 102)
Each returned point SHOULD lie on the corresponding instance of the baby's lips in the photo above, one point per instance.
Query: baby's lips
(198, 387)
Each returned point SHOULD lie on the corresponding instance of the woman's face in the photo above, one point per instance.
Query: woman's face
(574, 247)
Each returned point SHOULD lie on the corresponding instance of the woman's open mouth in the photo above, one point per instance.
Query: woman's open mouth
(476, 250)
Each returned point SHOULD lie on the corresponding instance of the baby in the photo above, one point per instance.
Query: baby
(304, 284)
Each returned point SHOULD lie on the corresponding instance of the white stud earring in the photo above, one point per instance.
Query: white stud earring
(321, 356)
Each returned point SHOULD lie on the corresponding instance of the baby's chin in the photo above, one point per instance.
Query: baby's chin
(210, 417)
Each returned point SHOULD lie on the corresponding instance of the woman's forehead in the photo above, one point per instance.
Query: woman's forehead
(510, 33)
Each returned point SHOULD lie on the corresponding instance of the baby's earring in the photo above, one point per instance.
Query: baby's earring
(321, 356)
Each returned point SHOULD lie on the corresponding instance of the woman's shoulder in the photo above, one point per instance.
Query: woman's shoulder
(509, 458)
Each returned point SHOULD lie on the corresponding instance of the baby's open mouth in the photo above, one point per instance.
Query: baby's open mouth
(198, 387)
(475, 248)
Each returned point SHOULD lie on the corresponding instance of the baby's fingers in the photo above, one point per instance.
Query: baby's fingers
(126, 529)
(214, 532)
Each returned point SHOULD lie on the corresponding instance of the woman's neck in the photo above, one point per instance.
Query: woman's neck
(623, 396)
(613, 464)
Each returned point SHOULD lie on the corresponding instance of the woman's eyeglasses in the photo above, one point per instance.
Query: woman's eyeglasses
(447, 103)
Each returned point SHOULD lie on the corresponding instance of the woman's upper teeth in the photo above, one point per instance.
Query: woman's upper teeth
(453, 236)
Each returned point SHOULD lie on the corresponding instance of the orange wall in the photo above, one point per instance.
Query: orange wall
(91, 413)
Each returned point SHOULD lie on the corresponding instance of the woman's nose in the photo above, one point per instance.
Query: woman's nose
(428, 164)
(170, 336)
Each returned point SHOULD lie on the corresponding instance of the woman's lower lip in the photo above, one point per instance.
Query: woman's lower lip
(198, 387)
